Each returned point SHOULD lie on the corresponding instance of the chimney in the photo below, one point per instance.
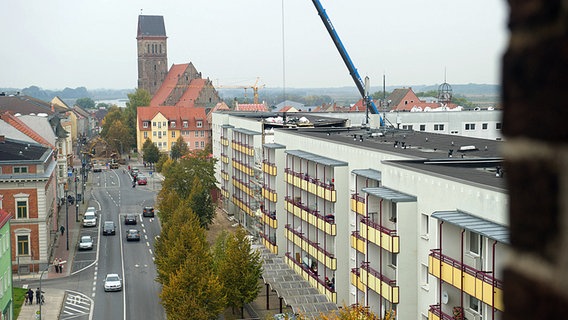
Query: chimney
(2, 139)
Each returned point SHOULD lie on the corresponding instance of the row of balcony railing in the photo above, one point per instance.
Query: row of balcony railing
(313, 277)
(325, 223)
(305, 241)
(306, 177)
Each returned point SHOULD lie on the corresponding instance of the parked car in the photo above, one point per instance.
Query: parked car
(89, 219)
(86, 243)
(132, 235)
(113, 282)
(141, 179)
(130, 219)
(148, 212)
(91, 209)
(109, 228)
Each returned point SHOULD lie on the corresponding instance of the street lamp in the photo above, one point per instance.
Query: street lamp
(76, 201)
(67, 216)
(41, 292)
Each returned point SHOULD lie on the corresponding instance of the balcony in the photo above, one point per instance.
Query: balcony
(246, 169)
(379, 235)
(435, 313)
(269, 168)
(269, 194)
(479, 284)
(269, 218)
(224, 175)
(358, 243)
(224, 193)
(243, 148)
(358, 204)
(379, 283)
(324, 223)
(312, 185)
(224, 158)
(356, 279)
(224, 141)
(311, 247)
(243, 206)
(245, 187)
(269, 243)
(311, 277)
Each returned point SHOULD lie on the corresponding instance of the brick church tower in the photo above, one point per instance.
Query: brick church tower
(152, 52)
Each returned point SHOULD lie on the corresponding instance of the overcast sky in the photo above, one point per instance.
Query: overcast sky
(68, 43)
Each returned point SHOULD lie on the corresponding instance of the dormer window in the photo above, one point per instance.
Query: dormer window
(20, 170)
(145, 124)
(199, 124)
(172, 124)
(185, 124)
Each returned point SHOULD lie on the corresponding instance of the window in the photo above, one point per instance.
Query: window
(159, 125)
(159, 144)
(425, 224)
(185, 124)
(393, 259)
(1, 200)
(438, 127)
(20, 169)
(196, 144)
(154, 133)
(165, 144)
(23, 245)
(202, 144)
(145, 134)
(498, 126)
(422, 127)
(165, 124)
(199, 124)
(154, 124)
(159, 134)
(22, 209)
(145, 124)
(474, 304)
(407, 127)
(202, 133)
(484, 126)
(474, 243)
(173, 124)
(424, 279)
(470, 126)
(164, 133)
(197, 133)
(173, 134)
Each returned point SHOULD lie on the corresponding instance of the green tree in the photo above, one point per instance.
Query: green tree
(240, 270)
(114, 114)
(140, 98)
(201, 203)
(151, 152)
(181, 177)
(85, 103)
(179, 149)
(163, 162)
(117, 136)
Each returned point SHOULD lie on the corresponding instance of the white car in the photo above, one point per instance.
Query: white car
(92, 210)
(89, 219)
(113, 282)
(86, 243)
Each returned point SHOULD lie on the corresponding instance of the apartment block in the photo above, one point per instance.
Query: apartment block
(400, 221)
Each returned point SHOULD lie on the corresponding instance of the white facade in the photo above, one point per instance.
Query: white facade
(417, 193)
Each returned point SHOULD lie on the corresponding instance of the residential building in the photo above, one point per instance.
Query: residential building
(6, 300)
(405, 221)
(152, 52)
(28, 194)
(165, 124)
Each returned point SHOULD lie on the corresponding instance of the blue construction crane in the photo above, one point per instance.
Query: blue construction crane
(345, 56)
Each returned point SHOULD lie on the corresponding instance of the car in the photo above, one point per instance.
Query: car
(86, 243)
(89, 219)
(132, 235)
(134, 172)
(91, 209)
(148, 212)
(113, 282)
(141, 179)
(109, 228)
(130, 219)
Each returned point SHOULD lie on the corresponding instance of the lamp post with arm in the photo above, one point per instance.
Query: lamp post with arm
(67, 215)
(41, 292)
(76, 200)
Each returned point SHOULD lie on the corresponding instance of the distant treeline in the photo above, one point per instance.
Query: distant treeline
(69, 93)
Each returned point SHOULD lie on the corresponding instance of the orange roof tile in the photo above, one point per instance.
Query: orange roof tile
(251, 107)
(191, 93)
(172, 113)
(24, 128)
(168, 85)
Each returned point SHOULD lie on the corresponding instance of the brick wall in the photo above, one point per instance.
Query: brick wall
(534, 74)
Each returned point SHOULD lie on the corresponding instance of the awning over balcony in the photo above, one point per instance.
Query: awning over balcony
(389, 194)
(469, 222)
(247, 132)
(315, 158)
(291, 287)
(273, 146)
(368, 173)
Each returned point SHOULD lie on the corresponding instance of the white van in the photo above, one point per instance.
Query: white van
(89, 219)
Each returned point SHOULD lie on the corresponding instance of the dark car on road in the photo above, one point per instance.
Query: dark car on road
(130, 219)
(132, 235)
(148, 212)
(109, 228)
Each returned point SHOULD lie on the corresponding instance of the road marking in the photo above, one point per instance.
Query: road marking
(147, 243)
(150, 251)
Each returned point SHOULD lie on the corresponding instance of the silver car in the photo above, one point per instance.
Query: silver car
(86, 243)
(113, 282)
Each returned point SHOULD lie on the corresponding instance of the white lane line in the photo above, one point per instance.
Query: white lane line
(147, 243)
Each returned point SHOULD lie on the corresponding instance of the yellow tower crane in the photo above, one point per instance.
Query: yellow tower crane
(254, 87)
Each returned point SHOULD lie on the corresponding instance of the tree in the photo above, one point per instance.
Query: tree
(150, 151)
(163, 163)
(201, 203)
(139, 98)
(179, 149)
(85, 103)
(117, 136)
(114, 114)
(239, 270)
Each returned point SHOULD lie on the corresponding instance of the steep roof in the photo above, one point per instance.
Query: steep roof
(24, 105)
(191, 93)
(4, 217)
(397, 95)
(21, 126)
(16, 151)
(151, 26)
(169, 84)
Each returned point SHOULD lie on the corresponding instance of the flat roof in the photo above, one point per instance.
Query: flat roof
(316, 158)
(368, 173)
(389, 194)
(247, 131)
(274, 146)
(473, 223)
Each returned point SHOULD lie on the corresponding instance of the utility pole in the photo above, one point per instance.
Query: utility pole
(76, 201)
(67, 215)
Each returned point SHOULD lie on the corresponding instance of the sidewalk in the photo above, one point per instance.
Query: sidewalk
(54, 298)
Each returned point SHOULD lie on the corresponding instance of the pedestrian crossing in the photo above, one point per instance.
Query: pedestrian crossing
(75, 305)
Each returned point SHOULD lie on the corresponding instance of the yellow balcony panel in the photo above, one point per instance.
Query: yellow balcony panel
(356, 281)
(312, 188)
(358, 244)
(382, 287)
